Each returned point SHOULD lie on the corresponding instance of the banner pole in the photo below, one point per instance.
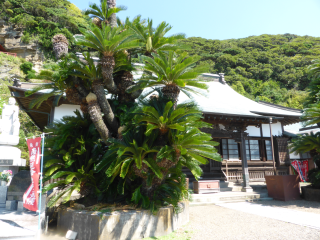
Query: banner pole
(40, 197)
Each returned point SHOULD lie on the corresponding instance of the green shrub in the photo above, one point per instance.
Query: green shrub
(26, 67)
(31, 74)
(26, 37)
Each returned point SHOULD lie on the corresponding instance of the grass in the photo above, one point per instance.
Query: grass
(180, 234)
(13, 63)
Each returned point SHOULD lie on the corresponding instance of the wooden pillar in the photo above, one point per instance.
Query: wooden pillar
(245, 172)
(239, 137)
(272, 147)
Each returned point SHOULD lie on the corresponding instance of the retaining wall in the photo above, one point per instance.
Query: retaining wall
(118, 225)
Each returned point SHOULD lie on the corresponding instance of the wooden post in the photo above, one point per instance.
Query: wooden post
(227, 170)
(272, 148)
(245, 172)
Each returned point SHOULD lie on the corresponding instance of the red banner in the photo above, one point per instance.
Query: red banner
(30, 197)
(302, 169)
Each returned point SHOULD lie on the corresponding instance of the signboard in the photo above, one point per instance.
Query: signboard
(30, 197)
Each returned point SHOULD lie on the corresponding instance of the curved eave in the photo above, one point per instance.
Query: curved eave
(286, 119)
(41, 115)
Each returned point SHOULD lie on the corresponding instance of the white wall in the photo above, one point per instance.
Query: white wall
(253, 131)
(65, 110)
(276, 129)
(294, 156)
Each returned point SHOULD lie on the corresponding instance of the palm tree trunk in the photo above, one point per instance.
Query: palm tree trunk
(171, 91)
(96, 116)
(109, 117)
(124, 80)
(113, 18)
(60, 45)
(79, 86)
(107, 66)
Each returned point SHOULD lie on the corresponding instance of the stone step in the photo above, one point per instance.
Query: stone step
(230, 196)
(195, 204)
(238, 188)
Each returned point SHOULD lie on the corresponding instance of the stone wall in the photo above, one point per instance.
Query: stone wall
(10, 39)
(310, 194)
(118, 225)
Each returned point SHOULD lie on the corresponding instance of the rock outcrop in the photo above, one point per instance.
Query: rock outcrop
(10, 39)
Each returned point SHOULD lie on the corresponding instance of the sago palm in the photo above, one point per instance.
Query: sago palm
(108, 42)
(90, 72)
(102, 13)
(172, 73)
(153, 39)
(73, 150)
(168, 119)
(196, 145)
(305, 143)
(311, 115)
(59, 82)
(133, 156)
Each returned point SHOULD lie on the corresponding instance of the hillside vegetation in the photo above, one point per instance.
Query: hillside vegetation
(42, 19)
(271, 68)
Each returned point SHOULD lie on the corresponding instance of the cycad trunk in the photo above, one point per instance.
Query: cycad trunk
(96, 116)
(107, 66)
(113, 18)
(123, 80)
(109, 117)
(60, 45)
(171, 91)
(73, 96)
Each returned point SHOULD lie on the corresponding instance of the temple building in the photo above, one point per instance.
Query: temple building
(243, 128)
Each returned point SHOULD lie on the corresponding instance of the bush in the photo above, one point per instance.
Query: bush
(26, 37)
(31, 74)
(314, 174)
(26, 67)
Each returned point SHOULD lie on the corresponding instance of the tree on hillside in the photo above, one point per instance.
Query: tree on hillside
(261, 59)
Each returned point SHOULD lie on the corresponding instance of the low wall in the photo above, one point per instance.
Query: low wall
(310, 194)
(118, 225)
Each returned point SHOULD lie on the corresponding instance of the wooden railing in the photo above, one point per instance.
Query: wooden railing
(10, 54)
(253, 175)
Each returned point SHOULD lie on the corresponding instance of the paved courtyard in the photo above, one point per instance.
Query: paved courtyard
(248, 221)
(258, 220)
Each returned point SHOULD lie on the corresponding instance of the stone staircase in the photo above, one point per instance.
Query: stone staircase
(231, 192)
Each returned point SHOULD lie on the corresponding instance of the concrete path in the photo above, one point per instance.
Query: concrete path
(17, 225)
(306, 219)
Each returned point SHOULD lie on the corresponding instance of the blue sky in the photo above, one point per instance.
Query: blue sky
(226, 19)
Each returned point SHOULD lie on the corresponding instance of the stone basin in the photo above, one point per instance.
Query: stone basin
(125, 224)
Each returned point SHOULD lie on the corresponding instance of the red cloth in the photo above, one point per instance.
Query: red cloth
(30, 197)
(302, 168)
